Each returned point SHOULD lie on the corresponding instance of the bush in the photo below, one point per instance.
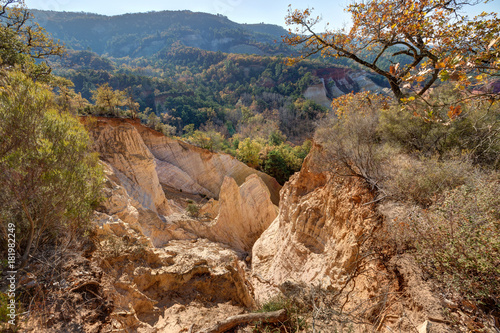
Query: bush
(458, 239)
(420, 181)
(445, 130)
(352, 139)
(193, 210)
(210, 140)
(49, 179)
(248, 152)
(295, 321)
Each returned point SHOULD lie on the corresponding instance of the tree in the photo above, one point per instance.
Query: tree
(49, 179)
(22, 41)
(439, 41)
(69, 100)
(248, 152)
(108, 99)
(132, 105)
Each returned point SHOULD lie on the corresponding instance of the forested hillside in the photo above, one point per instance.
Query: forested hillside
(127, 35)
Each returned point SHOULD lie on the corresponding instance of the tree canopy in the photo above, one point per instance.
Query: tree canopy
(439, 41)
(22, 41)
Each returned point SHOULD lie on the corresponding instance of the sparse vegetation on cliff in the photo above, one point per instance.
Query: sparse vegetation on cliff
(444, 170)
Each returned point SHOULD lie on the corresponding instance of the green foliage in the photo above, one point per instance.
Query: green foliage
(295, 321)
(276, 138)
(248, 152)
(193, 210)
(128, 36)
(49, 179)
(302, 151)
(471, 127)
(458, 239)
(23, 41)
(211, 140)
(207, 86)
(107, 100)
(281, 162)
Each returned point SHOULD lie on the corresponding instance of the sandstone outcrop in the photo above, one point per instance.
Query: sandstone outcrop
(243, 214)
(121, 214)
(323, 249)
(121, 146)
(152, 285)
(336, 82)
(321, 224)
(178, 165)
(164, 264)
(318, 93)
(135, 177)
(199, 166)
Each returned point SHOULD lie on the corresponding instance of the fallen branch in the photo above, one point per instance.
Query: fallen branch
(248, 318)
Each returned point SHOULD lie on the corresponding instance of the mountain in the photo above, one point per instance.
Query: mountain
(129, 35)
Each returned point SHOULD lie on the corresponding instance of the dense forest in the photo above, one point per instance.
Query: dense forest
(127, 35)
(215, 83)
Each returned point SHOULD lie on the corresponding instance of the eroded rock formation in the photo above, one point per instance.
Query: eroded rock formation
(199, 170)
(243, 214)
(167, 269)
(318, 233)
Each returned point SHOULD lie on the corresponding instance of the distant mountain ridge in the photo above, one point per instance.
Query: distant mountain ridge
(144, 34)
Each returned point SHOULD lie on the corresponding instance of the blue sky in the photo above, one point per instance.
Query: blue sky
(241, 11)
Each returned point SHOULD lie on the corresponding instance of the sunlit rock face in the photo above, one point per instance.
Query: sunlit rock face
(242, 214)
(319, 229)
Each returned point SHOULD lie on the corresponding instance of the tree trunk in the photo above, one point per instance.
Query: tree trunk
(248, 318)
(25, 257)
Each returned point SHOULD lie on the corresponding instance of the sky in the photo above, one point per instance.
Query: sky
(241, 11)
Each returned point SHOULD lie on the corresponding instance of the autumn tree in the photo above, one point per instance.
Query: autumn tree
(438, 40)
(108, 99)
(248, 152)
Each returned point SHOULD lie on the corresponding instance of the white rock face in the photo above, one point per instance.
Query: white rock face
(134, 166)
(317, 93)
(135, 196)
(244, 213)
(364, 82)
(197, 170)
(126, 214)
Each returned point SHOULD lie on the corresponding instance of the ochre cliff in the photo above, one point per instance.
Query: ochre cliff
(167, 268)
(317, 236)
(132, 163)
(324, 250)
(207, 170)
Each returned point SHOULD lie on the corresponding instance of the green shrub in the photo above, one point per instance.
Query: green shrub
(50, 180)
(295, 321)
(458, 239)
(445, 130)
(248, 152)
(193, 210)
(419, 181)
